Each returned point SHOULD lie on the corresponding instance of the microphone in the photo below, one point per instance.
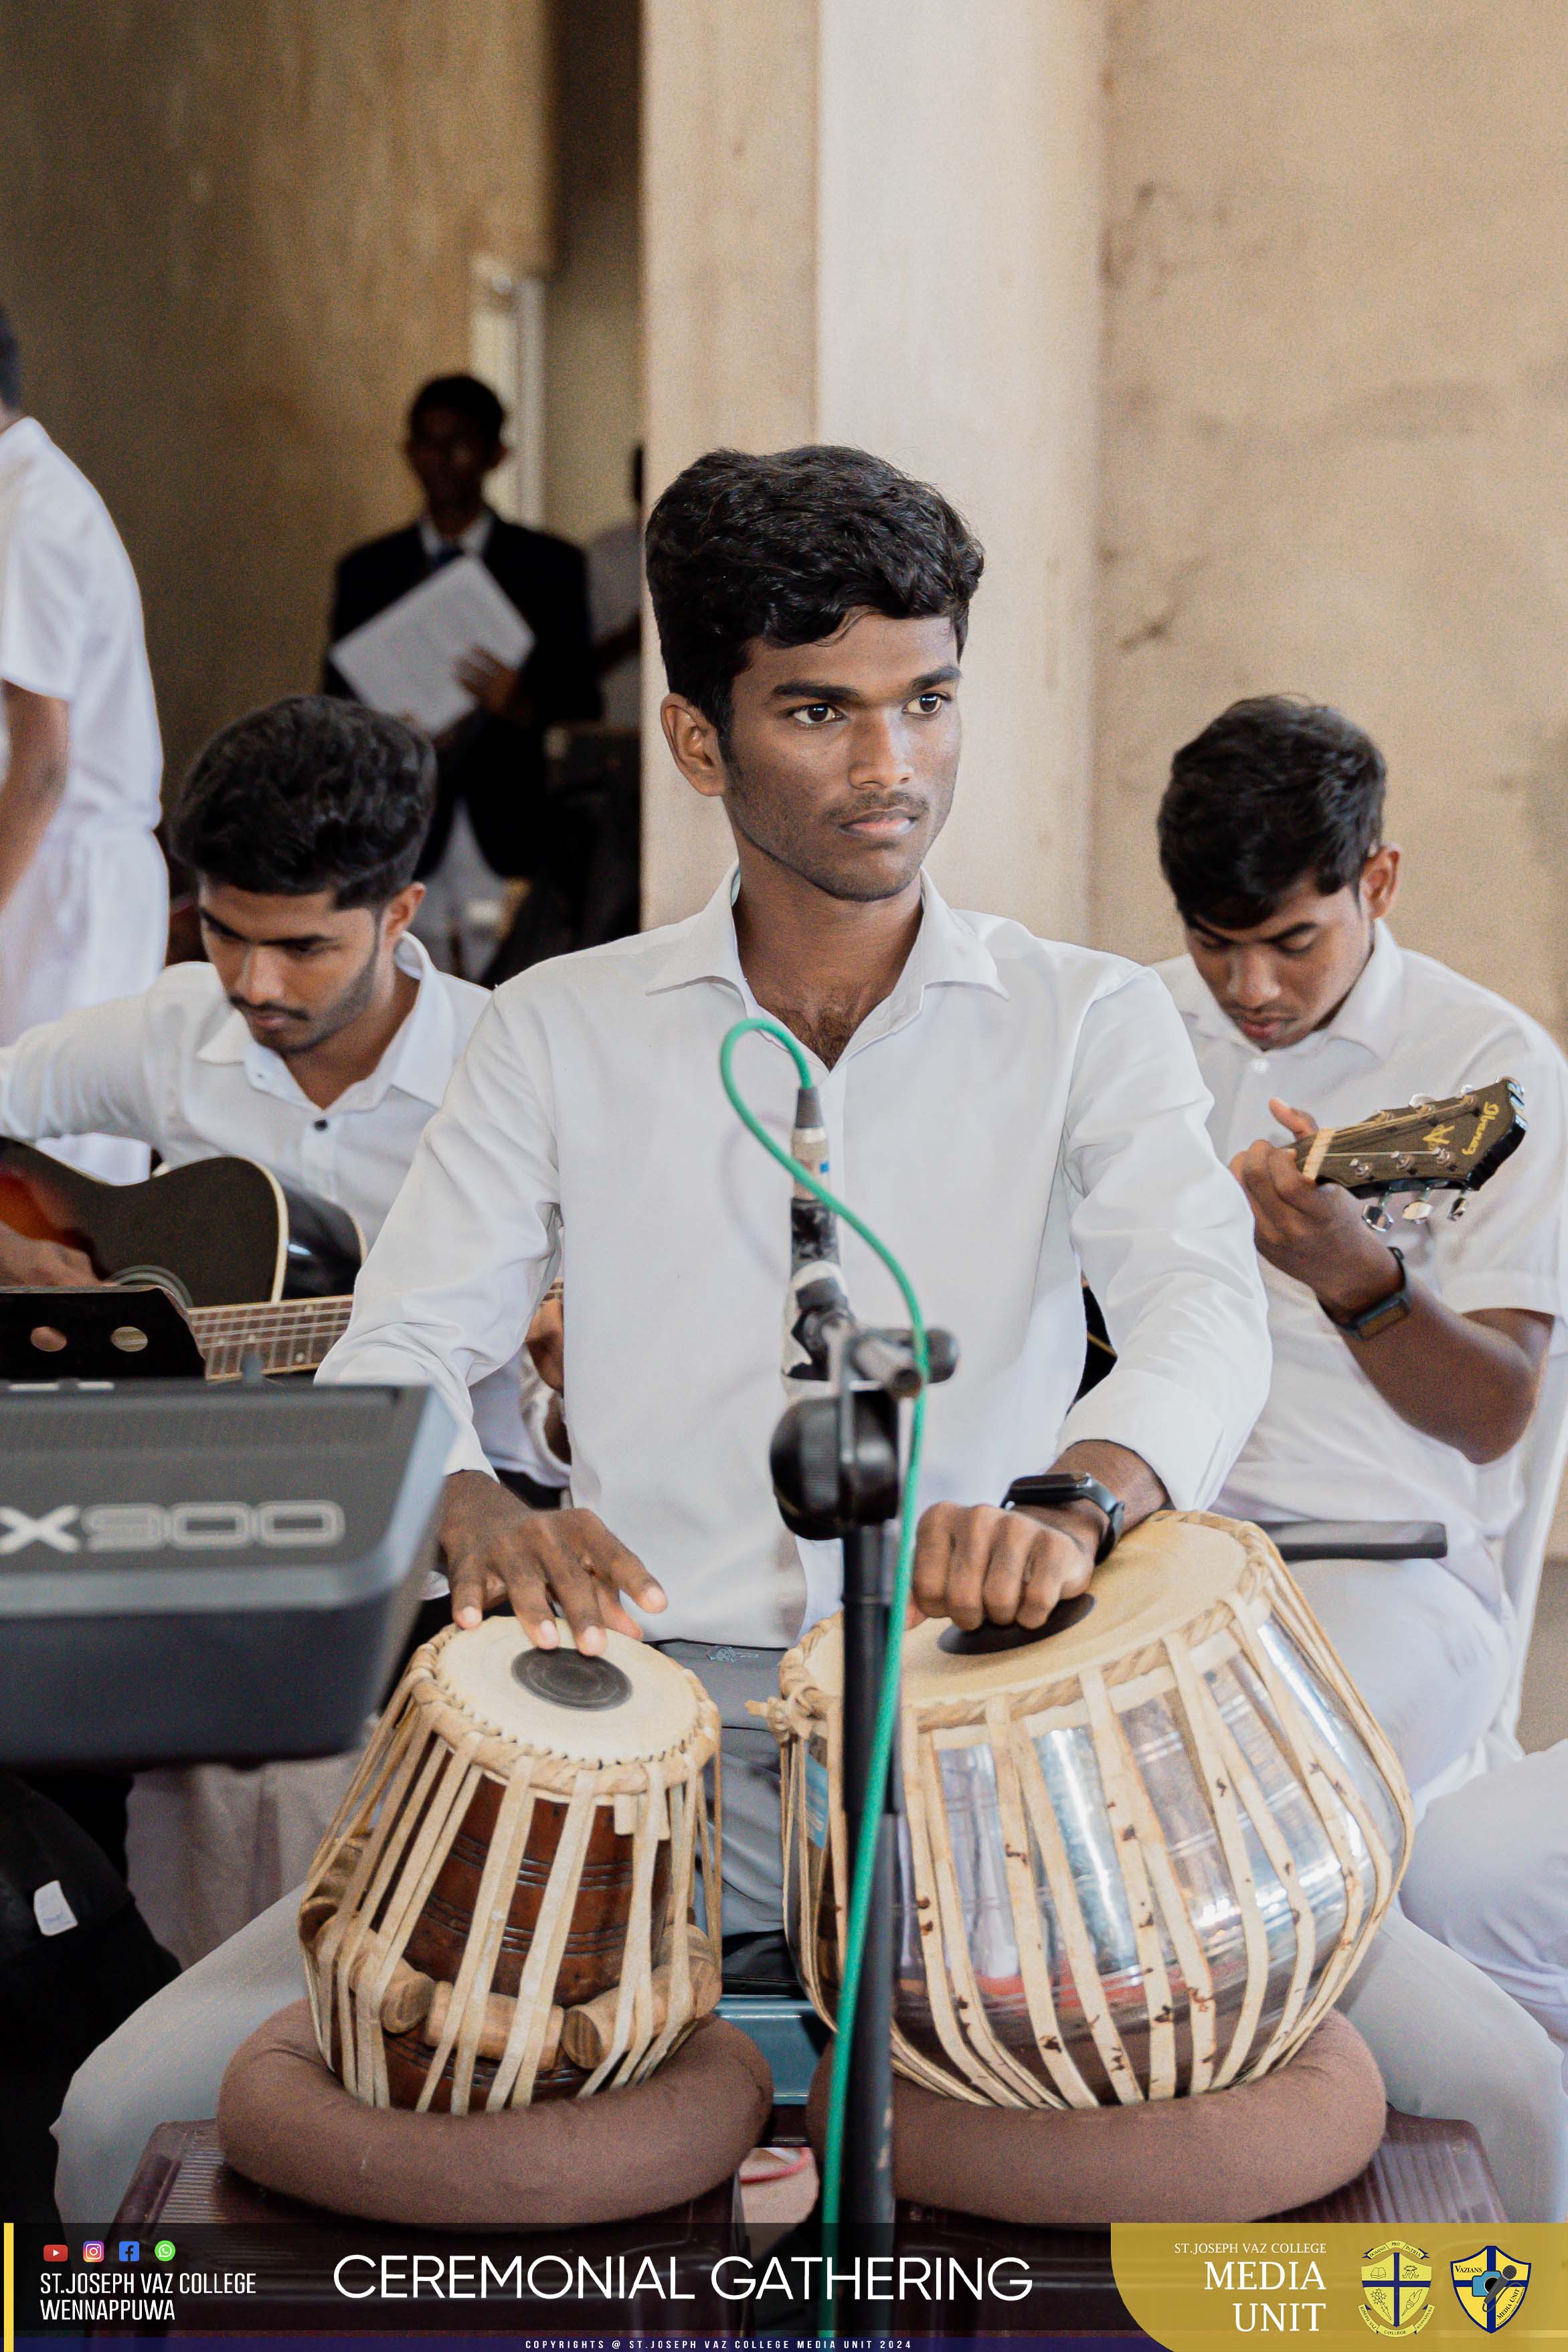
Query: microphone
(823, 1339)
(815, 1299)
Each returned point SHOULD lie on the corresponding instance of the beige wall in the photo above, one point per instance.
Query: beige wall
(234, 239)
(593, 389)
(859, 227)
(1337, 434)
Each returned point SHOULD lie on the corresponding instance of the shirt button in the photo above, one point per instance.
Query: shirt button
(320, 1127)
(1260, 1063)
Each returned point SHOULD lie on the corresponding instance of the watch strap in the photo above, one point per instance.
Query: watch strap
(1381, 1312)
(1045, 1488)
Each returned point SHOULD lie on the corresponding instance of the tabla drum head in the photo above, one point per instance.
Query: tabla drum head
(1166, 1572)
(629, 1701)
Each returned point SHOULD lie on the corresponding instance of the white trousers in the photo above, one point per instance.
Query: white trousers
(1429, 1658)
(87, 922)
(1491, 1877)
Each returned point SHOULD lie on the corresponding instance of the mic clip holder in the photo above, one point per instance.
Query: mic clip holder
(835, 1465)
(834, 1457)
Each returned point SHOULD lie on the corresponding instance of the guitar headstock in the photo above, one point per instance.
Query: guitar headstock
(1453, 1146)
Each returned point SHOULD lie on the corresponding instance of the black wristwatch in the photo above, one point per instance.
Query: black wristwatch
(1381, 1312)
(1046, 1488)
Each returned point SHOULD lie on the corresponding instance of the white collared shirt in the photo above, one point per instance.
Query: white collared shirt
(473, 539)
(1013, 1107)
(70, 627)
(1327, 1444)
(177, 1068)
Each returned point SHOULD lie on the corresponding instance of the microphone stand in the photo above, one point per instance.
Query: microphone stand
(835, 1465)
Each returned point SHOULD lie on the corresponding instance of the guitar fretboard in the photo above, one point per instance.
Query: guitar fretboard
(290, 1334)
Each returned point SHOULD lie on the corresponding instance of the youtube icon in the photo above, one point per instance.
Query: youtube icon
(57, 2254)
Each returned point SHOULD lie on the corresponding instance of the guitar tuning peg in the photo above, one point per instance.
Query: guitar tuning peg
(1376, 1217)
(1418, 1209)
(1456, 1207)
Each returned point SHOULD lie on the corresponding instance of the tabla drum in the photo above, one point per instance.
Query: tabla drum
(1139, 1856)
(503, 1909)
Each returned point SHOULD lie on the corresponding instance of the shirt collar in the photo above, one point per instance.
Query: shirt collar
(22, 440)
(1369, 1018)
(473, 541)
(418, 1062)
(947, 951)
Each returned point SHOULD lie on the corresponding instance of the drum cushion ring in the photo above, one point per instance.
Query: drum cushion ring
(1236, 2155)
(285, 2121)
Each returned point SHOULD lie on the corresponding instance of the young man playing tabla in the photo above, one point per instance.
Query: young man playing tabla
(1005, 1110)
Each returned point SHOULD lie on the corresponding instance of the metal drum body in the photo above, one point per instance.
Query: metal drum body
(502, 1909)
(1139, 1858)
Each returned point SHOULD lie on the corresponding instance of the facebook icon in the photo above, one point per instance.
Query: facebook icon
(131, 2250)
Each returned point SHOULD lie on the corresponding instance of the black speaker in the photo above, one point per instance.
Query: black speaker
(218, 1574)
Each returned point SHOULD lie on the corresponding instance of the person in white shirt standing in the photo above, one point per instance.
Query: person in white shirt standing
(1405, 1367)
(84, 892)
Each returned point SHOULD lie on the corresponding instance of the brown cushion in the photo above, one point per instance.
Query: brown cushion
(1229, 2156)
(284, 2119)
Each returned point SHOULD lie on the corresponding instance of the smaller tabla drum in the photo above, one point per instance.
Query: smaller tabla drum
(1139, 1857)
(503, 1909)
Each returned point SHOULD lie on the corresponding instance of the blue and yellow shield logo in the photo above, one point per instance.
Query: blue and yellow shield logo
(1490, 2286)
(1395, 2289)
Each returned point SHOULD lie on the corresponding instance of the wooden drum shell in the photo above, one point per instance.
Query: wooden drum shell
(1138, 1860)
(470, 1878)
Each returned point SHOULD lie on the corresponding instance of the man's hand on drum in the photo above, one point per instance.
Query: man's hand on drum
(546, 1563)
(981, 1565)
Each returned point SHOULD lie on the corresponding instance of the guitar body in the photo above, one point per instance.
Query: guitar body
(220, 1232)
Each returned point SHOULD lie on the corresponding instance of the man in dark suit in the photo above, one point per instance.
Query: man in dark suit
(491, 762)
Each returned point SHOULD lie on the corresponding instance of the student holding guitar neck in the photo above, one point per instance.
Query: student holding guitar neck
(318, 1038)
(1406, 1367)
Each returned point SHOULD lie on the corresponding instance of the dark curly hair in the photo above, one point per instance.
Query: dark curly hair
(1274, 791)
(311, 794)
(465, 396)
(786, 548)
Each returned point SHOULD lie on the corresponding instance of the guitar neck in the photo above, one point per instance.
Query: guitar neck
(289, 1335)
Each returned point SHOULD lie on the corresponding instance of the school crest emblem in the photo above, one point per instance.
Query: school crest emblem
(1395, 2289)
(1490, 2286)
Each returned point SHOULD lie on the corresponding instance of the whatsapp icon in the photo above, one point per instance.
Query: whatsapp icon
(164, 2249)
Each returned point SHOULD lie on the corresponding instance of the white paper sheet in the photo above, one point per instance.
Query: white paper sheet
(405, 659)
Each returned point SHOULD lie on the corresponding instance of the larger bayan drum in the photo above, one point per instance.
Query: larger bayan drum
(1139, 1857)
(504, 1908)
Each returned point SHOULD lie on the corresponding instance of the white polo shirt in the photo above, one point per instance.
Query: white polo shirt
(70, 627)
(177, 1068)
(1014, 1108)
(1327, 1445)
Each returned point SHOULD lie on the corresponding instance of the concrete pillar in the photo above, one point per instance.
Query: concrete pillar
(877, 221)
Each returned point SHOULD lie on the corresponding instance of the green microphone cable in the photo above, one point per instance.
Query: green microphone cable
(887, 1707)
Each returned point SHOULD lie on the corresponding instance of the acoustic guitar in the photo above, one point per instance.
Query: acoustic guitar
(253, 1264)
(1453, 1146)
(1419, 1148)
